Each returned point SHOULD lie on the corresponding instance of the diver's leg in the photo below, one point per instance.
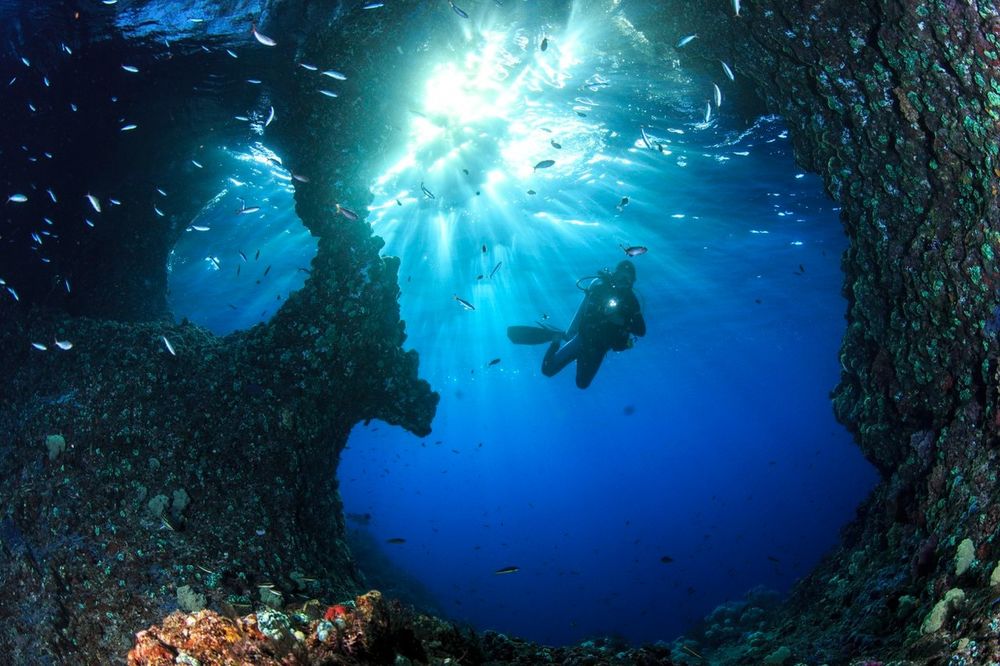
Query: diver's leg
(587, 365)
(557, 358)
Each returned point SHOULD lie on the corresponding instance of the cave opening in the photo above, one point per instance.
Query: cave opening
(701, 464)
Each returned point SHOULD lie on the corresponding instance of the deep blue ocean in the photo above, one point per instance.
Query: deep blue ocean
(701, 463)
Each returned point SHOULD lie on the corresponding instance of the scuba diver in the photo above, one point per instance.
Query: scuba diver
(607, 319)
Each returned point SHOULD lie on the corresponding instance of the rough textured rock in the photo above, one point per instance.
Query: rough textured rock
(210, 468)
(895, 105)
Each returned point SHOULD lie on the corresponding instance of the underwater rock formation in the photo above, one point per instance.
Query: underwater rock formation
(150, 465)
(895, 104)
(367, 630)
(142, 476)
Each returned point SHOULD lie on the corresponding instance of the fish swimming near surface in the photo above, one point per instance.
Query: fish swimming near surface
(496, 268)
(506, 570)
(728, 71)
(458, 10)
(249, 210)
(621, 204)
(464, 303)
(263, 39)
(544, 164)
(555, 144)
(347, 212)
(427, 193)
(493, 362)
(634, 250)
(645, 137)
(545, 44)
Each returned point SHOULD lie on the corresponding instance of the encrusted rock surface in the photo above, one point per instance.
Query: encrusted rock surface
(209, 474)
(895, 104)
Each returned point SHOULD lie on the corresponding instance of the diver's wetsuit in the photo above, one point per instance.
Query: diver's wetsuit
(607, 318)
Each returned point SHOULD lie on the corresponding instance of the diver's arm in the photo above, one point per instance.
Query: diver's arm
(574, 327)
(637, 325)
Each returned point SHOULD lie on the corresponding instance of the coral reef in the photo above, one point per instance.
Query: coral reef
(367, 630)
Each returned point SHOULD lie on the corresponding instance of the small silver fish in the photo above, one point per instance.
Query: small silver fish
(334, 74)
(544, 164)
(736, 7)
(427, 193)
(170, 347)
(249, 211)
(94, 202)
(197, 164)
(157, 211)
(161, 192)
(686, 40)
(645, 137)
(464, 303)
(328, 93)
(311, 68)
(263, 39)
(299, 177)
(708, 111)
(128, 128)
(65, 345)
(718, 95)
(634, 250)
(114, 202)
(373, 5)
(231, 53)
(347, 212)
(270, 117)
(132, 69)
(39, 346)
(728, 71)
(13, 293)
(458, 10)
(199, 227)
(17, 198)
(66, 284)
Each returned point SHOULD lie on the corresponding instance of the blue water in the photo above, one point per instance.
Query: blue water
(711, 443)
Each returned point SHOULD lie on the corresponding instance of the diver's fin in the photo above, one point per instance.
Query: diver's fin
(533, 335)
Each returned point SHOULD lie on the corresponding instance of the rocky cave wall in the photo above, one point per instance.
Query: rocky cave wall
(141, 476)
(895, 104)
